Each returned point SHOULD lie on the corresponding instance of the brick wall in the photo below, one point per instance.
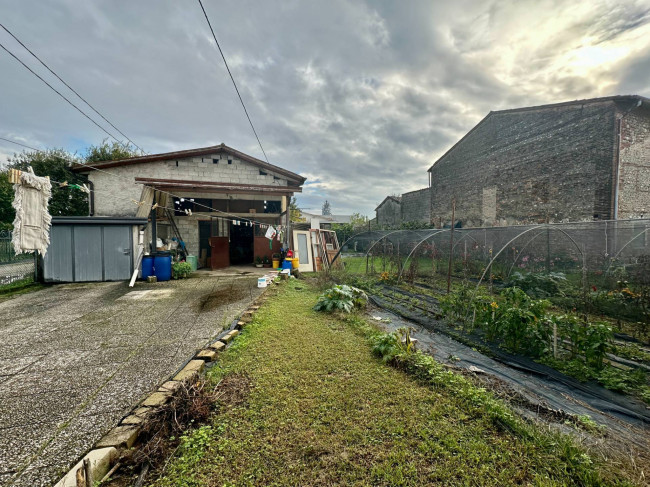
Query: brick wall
(527, 166)
(114, 194)
(634, 164)
(416, 206)
(389, 214)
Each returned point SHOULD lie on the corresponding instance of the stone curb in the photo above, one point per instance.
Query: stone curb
(96, 464)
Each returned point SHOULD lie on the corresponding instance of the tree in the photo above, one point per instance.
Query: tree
(7, 212)
(344, 231)
(109, 152)
(294, 212)
(327, 209)
(57, 164)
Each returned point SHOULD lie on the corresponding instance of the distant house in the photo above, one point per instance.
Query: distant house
(389, 212)
(325, 222)
(212, 186)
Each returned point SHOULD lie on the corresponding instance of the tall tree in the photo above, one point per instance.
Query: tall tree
(57, 164)
(327, 209)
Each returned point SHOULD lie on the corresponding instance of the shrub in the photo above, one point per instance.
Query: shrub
(181, 270)
(540, 285)
(341, 297)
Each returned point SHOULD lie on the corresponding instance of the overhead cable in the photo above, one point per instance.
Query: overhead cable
(233, 80)
(60, 94)
(70, 87)
(18, 143)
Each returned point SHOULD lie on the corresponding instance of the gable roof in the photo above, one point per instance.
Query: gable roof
(202, 151)
(396, 199)
(588, 101)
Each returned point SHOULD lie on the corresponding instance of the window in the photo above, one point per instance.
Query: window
(262, 173)
(176, 163)
(215, 161)
(229, 161)
(203, 205)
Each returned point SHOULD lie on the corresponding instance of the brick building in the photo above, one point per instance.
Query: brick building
(211, 187)
(576, 161)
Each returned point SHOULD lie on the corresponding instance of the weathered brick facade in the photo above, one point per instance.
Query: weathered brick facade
(549, 163)
(416, 206)
(389, 212)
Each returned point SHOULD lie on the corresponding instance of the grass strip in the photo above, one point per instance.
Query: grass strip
(320, 409)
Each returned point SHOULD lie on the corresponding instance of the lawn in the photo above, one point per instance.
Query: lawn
(315, 407)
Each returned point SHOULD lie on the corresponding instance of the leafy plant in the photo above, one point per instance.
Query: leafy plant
(341, 297)
(541, 284)
(181, 270)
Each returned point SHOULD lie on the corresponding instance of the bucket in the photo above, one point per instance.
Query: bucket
(162, 266)
(286, 264)
(276, 263)
(193, 261)
(147, 266)
(295, 262)
(261, 282)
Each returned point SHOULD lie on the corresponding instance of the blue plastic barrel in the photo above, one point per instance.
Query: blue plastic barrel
(147, 266)
(162, 266)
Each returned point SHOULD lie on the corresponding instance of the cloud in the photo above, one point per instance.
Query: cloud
(360, 97)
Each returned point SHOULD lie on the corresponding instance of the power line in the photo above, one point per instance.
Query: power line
(231, 216)
(70, 88)
(18, 143)
(59, 93)
(233, 80)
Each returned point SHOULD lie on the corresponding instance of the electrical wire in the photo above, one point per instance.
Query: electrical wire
(233, 80)
(70, 87)
(59, 93)
(231, 216)
(18, 143)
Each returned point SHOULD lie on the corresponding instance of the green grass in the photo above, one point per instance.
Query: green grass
(323, 411)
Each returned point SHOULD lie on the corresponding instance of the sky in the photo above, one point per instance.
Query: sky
(360, 97)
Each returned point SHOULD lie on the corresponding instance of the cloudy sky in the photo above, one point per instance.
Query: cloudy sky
(359, 97)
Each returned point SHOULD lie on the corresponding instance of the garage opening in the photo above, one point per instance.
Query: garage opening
(241, 244)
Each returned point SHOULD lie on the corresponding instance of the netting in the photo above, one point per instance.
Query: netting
(14, 269)
(606, 263)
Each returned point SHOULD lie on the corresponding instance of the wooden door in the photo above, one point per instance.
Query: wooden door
(302, 243)
(220, 250)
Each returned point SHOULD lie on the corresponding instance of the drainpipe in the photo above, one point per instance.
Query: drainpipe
(154, 235)
(91, 198)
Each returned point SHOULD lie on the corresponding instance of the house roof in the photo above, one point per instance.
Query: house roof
(588, 101)
(202, 151)
(396, 199)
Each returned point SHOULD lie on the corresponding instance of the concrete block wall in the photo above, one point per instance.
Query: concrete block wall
(634, 164)
(549, 163)
(416, 206)
(114, 194)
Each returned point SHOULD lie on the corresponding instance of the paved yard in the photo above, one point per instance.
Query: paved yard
(75, 358)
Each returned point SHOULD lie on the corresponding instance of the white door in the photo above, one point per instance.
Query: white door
(302, 242)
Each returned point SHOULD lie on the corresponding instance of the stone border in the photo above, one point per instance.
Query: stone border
(94, 466)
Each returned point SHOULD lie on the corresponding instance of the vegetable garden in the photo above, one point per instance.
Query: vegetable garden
(573, 296)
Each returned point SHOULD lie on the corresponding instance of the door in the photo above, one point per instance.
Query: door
(302, 242)
(117, 253)
(220, 250)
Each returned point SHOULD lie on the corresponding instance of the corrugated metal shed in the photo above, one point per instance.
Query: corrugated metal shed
(91, 249)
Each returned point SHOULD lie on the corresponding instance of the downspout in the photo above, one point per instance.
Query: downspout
(91, 198)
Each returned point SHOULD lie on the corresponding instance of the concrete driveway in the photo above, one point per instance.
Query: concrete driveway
(75, 358)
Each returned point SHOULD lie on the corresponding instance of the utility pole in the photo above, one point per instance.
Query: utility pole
(451, 243)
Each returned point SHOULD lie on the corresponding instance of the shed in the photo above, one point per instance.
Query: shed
(84, 248)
